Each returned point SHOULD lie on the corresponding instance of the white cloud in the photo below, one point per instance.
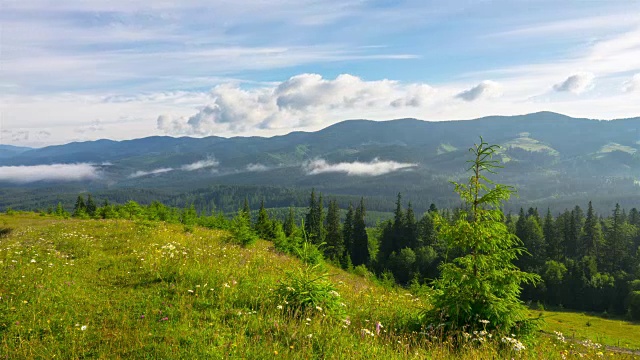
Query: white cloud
(257, 167)
(576, 83)
(485, 90)
(54, 172)
(202, 164)
(303, 100)
(356, 168)
(633, 84)
(141, 173)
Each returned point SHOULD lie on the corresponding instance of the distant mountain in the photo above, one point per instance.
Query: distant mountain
(7, 151)
(552, 159)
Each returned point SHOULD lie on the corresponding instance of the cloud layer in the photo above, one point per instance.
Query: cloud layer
(303, 100)
(356, 168)
(198, 165)
(54, 172)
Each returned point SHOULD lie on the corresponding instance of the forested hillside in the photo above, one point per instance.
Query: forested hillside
(555, 161)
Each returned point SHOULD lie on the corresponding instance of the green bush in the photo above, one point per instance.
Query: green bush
(308, 292)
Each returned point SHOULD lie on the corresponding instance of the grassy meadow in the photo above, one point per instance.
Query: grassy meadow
(116, 289)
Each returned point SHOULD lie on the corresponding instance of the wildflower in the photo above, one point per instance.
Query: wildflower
(334, 293)
(347, 321)
(141, 316)
(308, 320)
(319, 308)
(484, 322)
(164, 318)
(279, 307)
(310, 336)
(364, 332)
(33, 260)
(378, 327)
(83, 328)
(191, 291)
(226, 285)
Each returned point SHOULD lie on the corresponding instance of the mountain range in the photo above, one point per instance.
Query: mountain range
(553, 160)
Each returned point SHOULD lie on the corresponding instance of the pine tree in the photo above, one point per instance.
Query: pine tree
(347, 236)
(591, 235)
(263, 226)
(617, 242)
(432, 208)
(314, 221)
(334, 240)
(483, 283)
(397, 241)
(80, 209)
(410, 233)
(246, 210)
(289, 226)
(554, 243)
(91, 206)
(360, 251)
(576, 223)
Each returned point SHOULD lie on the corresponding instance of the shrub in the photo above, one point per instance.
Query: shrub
(307, 292)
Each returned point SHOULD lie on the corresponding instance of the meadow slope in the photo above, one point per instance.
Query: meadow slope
(77, 289)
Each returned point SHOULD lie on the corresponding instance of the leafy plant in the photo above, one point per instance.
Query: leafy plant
(308, 291)
(482, 284)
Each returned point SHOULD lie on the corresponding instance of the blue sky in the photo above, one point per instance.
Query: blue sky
(75, 70)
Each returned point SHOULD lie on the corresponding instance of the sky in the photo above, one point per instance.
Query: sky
(78, 70)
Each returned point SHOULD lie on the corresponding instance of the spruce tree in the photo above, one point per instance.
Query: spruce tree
(80, 208)
(410, 233)
(397, 234)
(554, 243)
(482, 283)
(91, 206)
(360, 250)
(591, 235)
(289, 225)
(335, 244)
(347, 236)
(314, 221)
(263, 226)
(246, 210)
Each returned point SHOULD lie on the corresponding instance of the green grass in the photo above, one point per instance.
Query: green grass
(530, 144)
(583, 326)
(445, 148)
(611, 147)
(114, 289)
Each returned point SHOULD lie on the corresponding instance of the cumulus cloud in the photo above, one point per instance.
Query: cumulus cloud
(356, 168)
(302, 100)
(484, 90)
(53, 172)
(257, 167)
(141, 173)
(576, 83)
(202, 164)
(633, 84)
